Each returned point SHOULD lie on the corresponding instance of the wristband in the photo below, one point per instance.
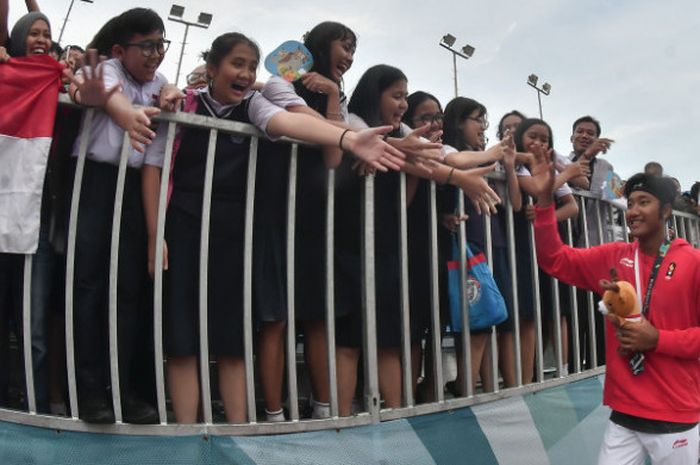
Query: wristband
(449, 176)
(342, 136)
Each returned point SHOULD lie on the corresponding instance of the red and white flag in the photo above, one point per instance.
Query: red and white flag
(29, 92)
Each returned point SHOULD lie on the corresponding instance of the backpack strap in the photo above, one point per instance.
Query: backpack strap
(190, 105)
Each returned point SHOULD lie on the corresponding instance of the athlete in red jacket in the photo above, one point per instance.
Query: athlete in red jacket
(655, 412)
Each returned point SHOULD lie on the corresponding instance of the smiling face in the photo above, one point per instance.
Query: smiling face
(645, 217)
(584, 135)
(536, 137)
(39, 38)
(428, 112)
(233, 77)
(342, 55)
(142, 68)
(394, 104)
(473, 127)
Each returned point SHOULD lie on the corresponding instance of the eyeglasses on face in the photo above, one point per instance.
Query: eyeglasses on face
(430, 118)
(481, 120)
(150, 47)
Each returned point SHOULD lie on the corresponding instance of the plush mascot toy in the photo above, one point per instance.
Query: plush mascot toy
(619, 299)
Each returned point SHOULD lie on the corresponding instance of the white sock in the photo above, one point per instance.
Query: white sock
(275, 417)
(565, 370)
(320, 409)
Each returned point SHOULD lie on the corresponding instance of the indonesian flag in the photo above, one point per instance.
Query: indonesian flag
(29, 92)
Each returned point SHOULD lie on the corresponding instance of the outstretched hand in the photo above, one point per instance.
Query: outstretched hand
(138, 125)
(90, 85)
(475, 186)
(418, 149)
(170, 97)
(543, 175)
(369, 147)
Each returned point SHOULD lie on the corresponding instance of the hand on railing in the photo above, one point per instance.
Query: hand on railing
(137, 122)
(369, 147)
(152, 256)
(170, 97)
(451, 221)
(475, 186)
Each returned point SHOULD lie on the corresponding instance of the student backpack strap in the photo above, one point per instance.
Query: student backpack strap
(190, 106)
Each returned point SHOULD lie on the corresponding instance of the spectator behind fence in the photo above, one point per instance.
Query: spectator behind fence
(534, 135)
(318, 92)
(130, 78)
(654, 168)
(465, 123)
(230, 97)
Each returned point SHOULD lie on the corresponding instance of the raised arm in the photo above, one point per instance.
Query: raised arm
(32, 5)
(4, 12)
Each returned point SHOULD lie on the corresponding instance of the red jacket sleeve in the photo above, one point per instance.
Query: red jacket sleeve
(582, 268)
(681, 343)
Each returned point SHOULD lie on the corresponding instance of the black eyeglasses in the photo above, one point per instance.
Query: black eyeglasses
(149, 47)
(430, 118)
(482, 121)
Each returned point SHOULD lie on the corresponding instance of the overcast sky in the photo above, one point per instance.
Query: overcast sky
(633, 64)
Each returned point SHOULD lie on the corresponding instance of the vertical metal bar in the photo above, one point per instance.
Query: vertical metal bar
(493, 337)
(70, 262)
(405, 305)
(510, 231)
(466, 336)
(539, 352)
(558, 344)
(674, 219)
(682, 231)
(612, 224)
(593, 351)
(372, 398)
(113, 279)
(573, 302)
(599, 220)
(27, 333)
(158, 275)
(205, 380)
(330, 294)
(291, 329)
(436, 326)
(248, 281)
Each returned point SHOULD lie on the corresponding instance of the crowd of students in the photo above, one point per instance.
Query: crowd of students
(379, 131)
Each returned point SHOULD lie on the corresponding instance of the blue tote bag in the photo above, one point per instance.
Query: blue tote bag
(486, 304)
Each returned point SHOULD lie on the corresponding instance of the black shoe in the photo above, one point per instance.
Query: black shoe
(139, 412)
(95, 408)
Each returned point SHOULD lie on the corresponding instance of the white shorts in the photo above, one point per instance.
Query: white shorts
(622, 446)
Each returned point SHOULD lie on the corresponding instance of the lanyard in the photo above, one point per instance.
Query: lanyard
(636, 362)
(652, 278)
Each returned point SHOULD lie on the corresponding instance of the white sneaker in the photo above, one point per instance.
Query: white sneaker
(275, 417)
(320, 410)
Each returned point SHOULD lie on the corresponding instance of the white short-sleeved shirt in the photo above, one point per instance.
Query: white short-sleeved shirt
(106, 136)
(282, 93)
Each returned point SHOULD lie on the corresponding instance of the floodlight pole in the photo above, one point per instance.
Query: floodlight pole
(545, 89)
(454, 63)
(65, 20)
(184, 41)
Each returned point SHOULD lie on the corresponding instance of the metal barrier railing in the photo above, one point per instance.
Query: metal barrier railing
(685, 225)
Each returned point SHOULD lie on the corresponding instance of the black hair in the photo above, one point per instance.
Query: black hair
(695, 191)
(367, 97)
(526, 124)
(56, 48)
(653, 164)
(223, 45)
(120, 29)
(456, 112)
(414, 100)
(318, 40)
(660, 187)
(587, 119)
(499, 133)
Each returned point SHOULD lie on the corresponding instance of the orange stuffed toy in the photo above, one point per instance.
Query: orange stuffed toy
(619, 299)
